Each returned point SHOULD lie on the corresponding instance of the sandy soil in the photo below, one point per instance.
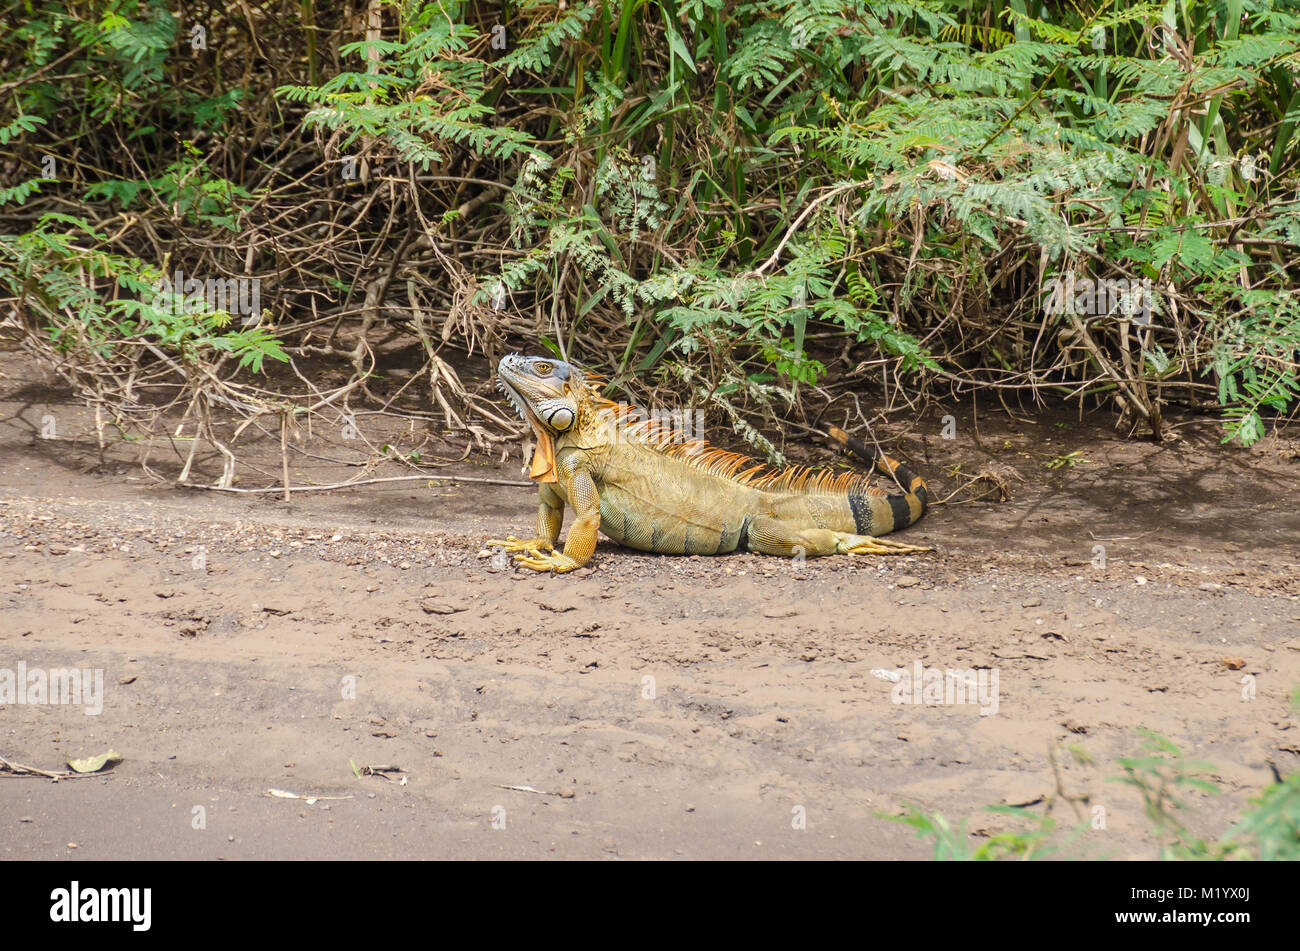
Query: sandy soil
(652, 707)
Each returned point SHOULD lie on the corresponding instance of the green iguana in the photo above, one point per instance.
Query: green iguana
(648, 487)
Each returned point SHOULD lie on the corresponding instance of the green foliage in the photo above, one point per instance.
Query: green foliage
(20, 193)
(421, 94)
(546, 37)
(732, 196)
(1160, 775)
(1268, 830)
(119, 72)
(1038, 840)
(23, 123)
(102, 303)
(187, 189)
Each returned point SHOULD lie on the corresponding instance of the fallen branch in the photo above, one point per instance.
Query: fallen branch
(347, 485)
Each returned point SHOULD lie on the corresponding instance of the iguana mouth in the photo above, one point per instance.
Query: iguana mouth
(543, 466)
(521, 404)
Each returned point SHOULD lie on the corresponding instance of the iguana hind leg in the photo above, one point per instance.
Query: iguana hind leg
(771, 536)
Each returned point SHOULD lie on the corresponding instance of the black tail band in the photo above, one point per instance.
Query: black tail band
(909, 481)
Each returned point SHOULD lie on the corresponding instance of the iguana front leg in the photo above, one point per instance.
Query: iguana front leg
(550, 516)
(585, 499)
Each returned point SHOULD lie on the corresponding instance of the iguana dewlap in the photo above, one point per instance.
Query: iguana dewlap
(646, 486)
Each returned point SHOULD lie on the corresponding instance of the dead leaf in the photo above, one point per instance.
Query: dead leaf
(93, 764)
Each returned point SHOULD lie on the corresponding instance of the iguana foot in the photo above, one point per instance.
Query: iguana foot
(512, 544)
(555, 561)
(865, 545)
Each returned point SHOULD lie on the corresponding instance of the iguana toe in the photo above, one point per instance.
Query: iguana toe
(512, 544)
(880, 546)
(557, 562)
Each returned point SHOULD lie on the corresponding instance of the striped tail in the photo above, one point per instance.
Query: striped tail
(904, 509)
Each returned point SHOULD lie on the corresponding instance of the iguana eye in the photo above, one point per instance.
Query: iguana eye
(543, 369)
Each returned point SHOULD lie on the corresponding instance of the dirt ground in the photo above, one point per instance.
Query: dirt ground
(647, 706)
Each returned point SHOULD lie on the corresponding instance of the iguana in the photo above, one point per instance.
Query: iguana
(648, 487)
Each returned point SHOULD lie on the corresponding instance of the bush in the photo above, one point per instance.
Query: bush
(733, 200)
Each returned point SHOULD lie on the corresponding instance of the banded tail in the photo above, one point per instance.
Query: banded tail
(899, 510)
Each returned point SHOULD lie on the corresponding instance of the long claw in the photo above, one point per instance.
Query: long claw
(882, 546)
(555, 561)
(512, 544)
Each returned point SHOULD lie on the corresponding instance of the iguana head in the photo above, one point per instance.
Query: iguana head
(545, 392)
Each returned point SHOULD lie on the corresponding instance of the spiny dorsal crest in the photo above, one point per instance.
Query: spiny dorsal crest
(630, 424)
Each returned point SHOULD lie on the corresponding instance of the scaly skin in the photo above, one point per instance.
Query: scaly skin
(647, 487)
